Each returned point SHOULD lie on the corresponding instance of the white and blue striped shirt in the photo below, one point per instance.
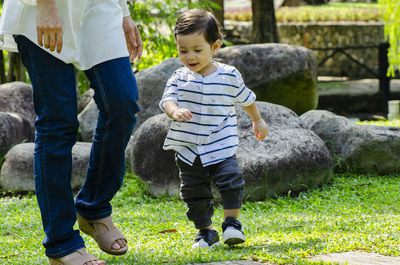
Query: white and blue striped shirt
(212, 132)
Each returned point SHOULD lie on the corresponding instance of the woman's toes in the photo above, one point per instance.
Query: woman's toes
(121, 242)
(116, 246)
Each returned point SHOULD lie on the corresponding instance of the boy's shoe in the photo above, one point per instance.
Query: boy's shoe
(206, 238)
(232, 232)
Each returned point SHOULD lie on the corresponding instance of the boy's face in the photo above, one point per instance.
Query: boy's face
(196, 53)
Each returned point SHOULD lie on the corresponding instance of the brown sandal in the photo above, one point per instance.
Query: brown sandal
(105, 240)
(79, 257)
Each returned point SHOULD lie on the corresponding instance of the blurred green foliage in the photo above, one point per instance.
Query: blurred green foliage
(391, 17)
(155, 20)
(320, 13)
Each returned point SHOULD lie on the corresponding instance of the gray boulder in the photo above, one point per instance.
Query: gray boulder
(88, 121)
(14, 129)
(278, 73)
(363, 148)
(17, 97)
(17, 169)
(85, 99)
(292, 157)
(151, 83)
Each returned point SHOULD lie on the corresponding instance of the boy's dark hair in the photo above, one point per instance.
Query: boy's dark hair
(195, 20)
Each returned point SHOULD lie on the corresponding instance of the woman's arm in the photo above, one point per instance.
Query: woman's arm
(132, 36)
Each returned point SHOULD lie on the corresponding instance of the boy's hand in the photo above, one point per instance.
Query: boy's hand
(182, 115)
(260, 129)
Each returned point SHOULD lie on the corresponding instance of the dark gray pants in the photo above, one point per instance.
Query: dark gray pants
(196, 191)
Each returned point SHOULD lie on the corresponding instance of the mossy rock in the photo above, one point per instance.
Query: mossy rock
(298, 93)
(278, 73)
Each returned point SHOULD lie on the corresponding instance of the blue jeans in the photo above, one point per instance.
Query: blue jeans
(55, 102)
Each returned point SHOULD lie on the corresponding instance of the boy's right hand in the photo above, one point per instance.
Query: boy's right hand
(182, 115)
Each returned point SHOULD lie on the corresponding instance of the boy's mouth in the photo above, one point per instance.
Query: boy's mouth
(192, 64)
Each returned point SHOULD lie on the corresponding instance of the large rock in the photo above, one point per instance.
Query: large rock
(17, 97)
(17, 169)
(88, 121)
(292, 157)
(363, 148)
(151, 83)
(85, 99)
(278, 73)
(14, 129)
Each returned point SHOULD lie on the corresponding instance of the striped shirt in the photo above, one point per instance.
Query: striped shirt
(212, 132)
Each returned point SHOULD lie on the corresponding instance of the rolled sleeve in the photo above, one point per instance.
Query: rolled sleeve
(245, 96)
(170, 91)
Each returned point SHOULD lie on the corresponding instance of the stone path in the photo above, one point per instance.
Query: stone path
(358, 258)
(235, 262)
(349, 258)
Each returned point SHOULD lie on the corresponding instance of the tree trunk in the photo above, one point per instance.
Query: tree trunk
(2, 68)
(219, 12)
(264, 21)
(12, 61)
(20, 70)
(16, 70)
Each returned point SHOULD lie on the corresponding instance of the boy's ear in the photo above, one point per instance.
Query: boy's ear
(216, 45)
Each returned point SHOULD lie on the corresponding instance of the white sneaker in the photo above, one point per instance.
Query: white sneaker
(232, 232)
(206, 238)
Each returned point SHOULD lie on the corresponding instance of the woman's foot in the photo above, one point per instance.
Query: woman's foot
(79, 257)
(108, 237)
(101, 228)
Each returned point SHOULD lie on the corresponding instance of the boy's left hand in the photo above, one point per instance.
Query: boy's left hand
(260, 129)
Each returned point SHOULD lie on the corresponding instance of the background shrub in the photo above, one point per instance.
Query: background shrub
(321, 13)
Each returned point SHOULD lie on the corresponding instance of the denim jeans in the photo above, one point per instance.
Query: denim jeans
(55, 103)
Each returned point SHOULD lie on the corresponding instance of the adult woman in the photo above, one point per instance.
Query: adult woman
(52, 37)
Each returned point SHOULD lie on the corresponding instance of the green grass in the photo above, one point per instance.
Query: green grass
(393, 123)
(354, 212)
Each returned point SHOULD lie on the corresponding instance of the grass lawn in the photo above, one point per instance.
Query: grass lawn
(392, 123)
(354, 212)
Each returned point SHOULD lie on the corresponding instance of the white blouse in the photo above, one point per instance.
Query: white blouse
(92, 29)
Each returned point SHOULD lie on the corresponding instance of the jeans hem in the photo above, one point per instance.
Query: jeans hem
(203, 224)
(66, 252)
(92, 217)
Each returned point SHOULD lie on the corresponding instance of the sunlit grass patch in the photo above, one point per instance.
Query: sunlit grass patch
(392, 123)
(353, 212)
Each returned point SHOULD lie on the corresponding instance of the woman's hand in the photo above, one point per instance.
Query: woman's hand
(132, 36)
(49, 25)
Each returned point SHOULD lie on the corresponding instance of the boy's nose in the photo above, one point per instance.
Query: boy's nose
(190, 58)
